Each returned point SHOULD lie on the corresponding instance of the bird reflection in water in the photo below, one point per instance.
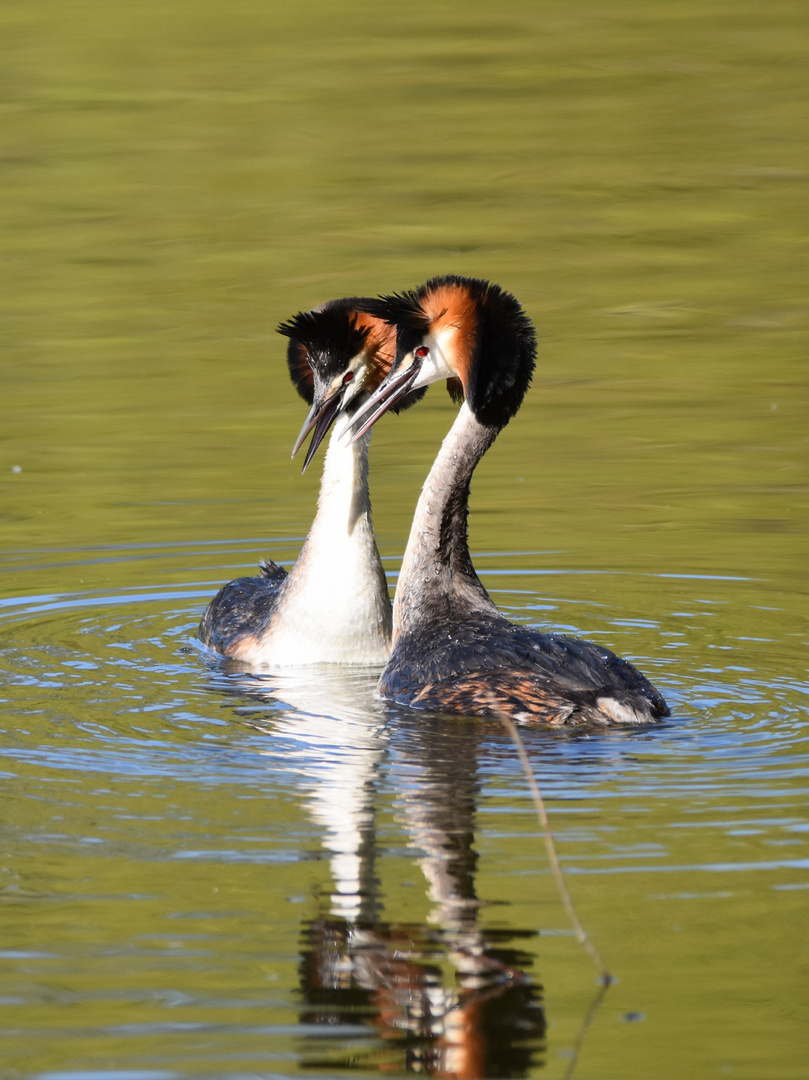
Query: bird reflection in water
(444, 997)
(482, 1019)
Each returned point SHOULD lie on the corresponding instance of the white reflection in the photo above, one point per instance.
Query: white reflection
(336, 729)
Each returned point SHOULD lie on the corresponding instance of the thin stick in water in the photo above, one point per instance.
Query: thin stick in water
(579, 930)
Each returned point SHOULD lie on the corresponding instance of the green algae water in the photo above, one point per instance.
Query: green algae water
(205, 874)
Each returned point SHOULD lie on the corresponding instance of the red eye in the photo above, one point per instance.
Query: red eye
(421, 352)
(349, 375)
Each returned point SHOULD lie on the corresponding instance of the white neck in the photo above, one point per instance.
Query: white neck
(334, 606)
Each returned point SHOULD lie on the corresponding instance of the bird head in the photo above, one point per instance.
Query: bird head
(468, 331)
(338, 354)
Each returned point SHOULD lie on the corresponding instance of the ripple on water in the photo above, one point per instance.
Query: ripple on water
(150, 780)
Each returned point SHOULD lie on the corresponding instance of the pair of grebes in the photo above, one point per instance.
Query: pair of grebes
(445, 645)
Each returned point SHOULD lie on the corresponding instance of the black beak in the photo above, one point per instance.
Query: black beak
(386, 395)
(321, 417)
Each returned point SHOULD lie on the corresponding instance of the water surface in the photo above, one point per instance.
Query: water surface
(209, 874)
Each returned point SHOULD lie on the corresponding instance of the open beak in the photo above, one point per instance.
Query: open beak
(386, 395)
(321, 417)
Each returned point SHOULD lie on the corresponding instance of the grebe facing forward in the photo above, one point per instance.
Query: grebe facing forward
(333, 606)
(453, 651)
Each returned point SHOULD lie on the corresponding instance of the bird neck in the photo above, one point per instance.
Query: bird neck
(344, 501)
(334, 605)
(437, 577)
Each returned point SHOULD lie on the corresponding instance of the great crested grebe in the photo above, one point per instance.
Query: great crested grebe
(333, 606)
(453, 651)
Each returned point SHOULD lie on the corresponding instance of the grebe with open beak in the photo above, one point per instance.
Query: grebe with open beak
(333, 606)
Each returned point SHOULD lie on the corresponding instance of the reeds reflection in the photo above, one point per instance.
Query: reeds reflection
(444, 996)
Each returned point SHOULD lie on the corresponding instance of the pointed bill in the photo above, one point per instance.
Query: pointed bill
(392, 390)
(321, 417)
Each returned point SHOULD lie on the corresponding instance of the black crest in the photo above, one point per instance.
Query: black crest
(506, 350)
(323, 342)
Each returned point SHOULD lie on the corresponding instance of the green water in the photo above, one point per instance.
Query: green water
(184, 850)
